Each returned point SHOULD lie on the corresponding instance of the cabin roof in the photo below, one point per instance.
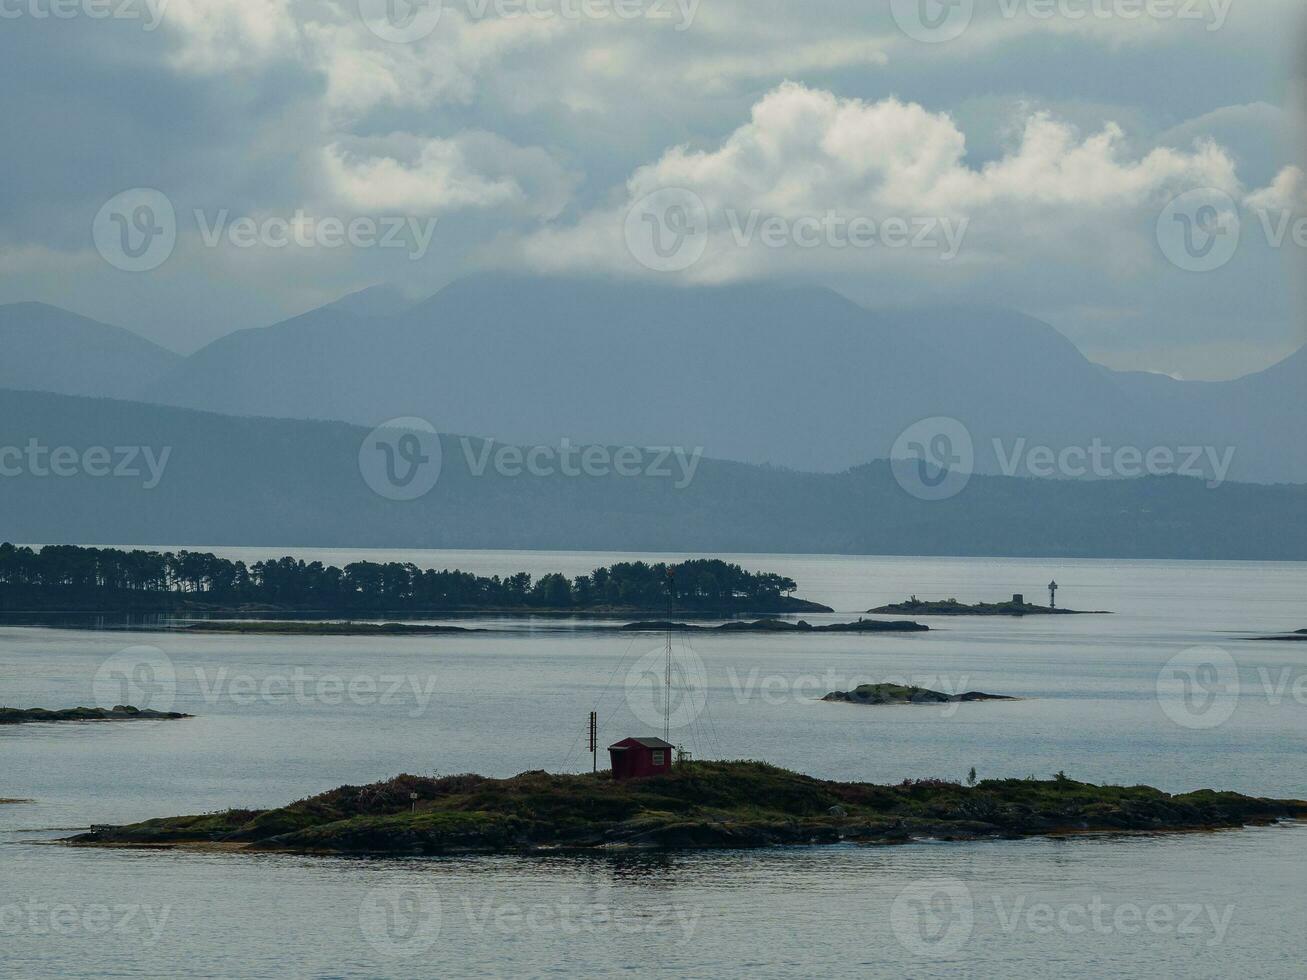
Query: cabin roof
(648, 743)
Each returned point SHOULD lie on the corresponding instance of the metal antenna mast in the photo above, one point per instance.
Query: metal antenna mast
(667, 679)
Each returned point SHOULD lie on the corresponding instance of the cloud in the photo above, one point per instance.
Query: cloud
(450, 66)
(530, 137)
(806, 154)
(791, 59)
(404, 174)
(1288, 192)
(217, 36)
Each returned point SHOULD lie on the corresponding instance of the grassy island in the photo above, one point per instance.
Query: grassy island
(699, 805)
(119, 712)
(878, 694)
(951, 607)
(780, 626)
(1300, 636)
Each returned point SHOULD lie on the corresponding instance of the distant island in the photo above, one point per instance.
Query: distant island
(68, 579)
(699, 805)
(313, 627)
(119, 712)
(1016, 606)
(1301, 635)
(317, 628)
(878, 694)
(780, 626)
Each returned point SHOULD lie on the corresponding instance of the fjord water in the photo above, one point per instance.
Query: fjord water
(517, 699)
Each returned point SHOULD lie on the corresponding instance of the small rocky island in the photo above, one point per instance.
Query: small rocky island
(780, 626)
(878, 694)
(119, 712)
(699, 805)
(1300, 636)
(1017, 606)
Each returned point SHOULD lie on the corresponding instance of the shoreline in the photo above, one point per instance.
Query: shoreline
(299, 628)
(584, 851)
(351, 628)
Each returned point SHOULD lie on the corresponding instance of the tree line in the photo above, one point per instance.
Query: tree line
(88, 578)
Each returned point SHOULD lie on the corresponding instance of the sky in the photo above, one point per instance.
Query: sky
(1127, 170)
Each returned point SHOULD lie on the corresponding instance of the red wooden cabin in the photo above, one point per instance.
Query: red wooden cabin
(636, 758)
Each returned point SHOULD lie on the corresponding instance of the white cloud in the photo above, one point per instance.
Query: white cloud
(405, 174)
(364, 72)
(806, 153)
(1288, 192)
(283, 104)
(226, 35)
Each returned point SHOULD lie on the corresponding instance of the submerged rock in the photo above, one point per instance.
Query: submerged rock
(321, 628)
(780, 626)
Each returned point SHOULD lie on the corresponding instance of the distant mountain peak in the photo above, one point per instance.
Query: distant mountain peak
(46, 348)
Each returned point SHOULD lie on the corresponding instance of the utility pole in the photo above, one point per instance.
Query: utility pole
(594, 739)
(667, 679)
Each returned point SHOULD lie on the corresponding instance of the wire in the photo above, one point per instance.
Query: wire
(596, 705)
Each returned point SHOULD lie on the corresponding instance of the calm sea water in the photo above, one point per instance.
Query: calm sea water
(282, 718)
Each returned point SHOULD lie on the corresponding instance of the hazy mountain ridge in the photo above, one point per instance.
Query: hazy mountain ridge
(233, 481)
(44, 348)
(800, 377)
(796, 376)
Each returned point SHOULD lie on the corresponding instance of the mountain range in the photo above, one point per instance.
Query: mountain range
(48, 349)
(795, 377)
(170, 476)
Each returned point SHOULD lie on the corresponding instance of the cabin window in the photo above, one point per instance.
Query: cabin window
(658, 757)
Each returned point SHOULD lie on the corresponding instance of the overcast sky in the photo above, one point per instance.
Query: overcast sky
(1031, 147)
